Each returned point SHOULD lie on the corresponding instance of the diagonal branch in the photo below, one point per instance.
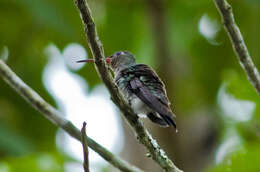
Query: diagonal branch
(55, 117)
(238, 43)
(157, 154)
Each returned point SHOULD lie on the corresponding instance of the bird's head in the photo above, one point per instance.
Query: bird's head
(119, 60)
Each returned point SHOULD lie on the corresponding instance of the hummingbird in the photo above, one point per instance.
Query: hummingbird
(141, 88)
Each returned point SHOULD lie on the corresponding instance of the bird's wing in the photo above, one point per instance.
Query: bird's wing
(141, 91)
(146, 85)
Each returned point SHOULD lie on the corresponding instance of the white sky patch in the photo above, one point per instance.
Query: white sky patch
(72, 53)
(69, 91)
(235, 109)
(73, 167)
(230, 144)
(208, 28)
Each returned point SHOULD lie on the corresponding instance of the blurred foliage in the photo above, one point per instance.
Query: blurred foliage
(244, 160)
(41, 162)
(28, 26)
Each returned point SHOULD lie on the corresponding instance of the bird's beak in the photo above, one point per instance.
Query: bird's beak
(108, 60)
(86, 61)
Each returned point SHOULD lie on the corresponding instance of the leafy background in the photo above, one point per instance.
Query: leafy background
(218, 111)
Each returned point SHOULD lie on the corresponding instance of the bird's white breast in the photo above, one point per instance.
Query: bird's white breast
(139, 107)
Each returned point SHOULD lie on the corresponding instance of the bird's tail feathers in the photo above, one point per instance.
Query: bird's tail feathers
(154, 118)
(169, 120)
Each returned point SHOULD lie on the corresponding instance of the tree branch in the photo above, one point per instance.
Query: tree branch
(157, 154)
(56, 117)
(238, 43)
(85, 147)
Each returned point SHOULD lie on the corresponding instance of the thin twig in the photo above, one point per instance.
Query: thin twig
(238, 43)
(85, 147)
(56, 117)
(157, 154)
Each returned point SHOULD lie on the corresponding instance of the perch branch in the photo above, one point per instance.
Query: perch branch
(157, 154)
(56, 117)
(85, 147)
(238, 43)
